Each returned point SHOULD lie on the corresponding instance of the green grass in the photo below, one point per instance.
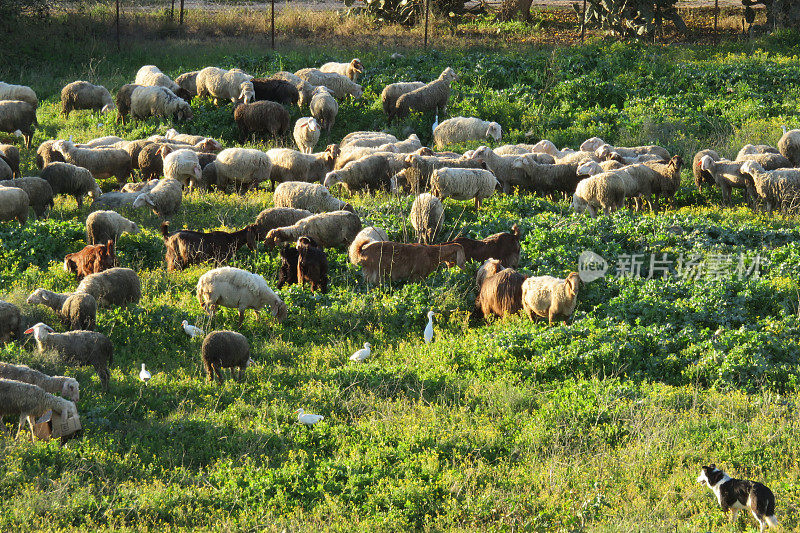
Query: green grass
(601, 425)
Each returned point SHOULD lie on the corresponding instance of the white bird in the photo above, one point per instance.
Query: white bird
(192, 331)
(307, 418)
(429, 328)
(362, 354)
(436, 121)
(144, 375)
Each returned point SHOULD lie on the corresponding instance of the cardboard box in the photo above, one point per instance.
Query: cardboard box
(53, 425)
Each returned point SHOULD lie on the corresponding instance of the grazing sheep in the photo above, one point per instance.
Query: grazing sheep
(115, 286)
(290, 165)
(18, 115)
(768, 160)
(726, 174)
(499, 293)
(101, 162)
(365, 236)
(103, 226)
(503, 247)
(350, 70)
(243, 167)
(221, 84)
(263, 116)
(306, 134)
(69, 388)
(605, 152)
(280, 91)
(115, 200)
(287, 272)
(133, 148)
(239, 289)
(140, 186)
(76, 310)
(303, 87)
(123, 101)
(158, 102)
(277, 217)
(666, 178)
(107, 140)
(18, 92)
(10, 322)
(420, 168)
(182, 165)
(92, 259)
(151, 75)
(550, 298)
(503, 166)
(427, 214)
(40, 194)
(187, 247)
(198, 142)
(519, 149)
(330, 230)
(776, 187)
(366, 139)
(312, 264)
(150, 161)
(46, 154)
(592, 145)
(10, 154)
(164, 199)
(340, 86)
(463, 184)
(393, 91)
(605, 190)
(751, 149)
(72, 180)
(324, 108)
(188, 82)
(380, 259)
(789, 146)
(14, 204)
(78, 348)
(548, 179)
(29, 402)
(83, 95)
(369, 173)
(225, 349)
(465, 129)
(433, 96)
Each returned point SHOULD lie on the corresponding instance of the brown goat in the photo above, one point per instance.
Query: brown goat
(503, 246)
(312, 264)
(400, 261)
(499, 293)
(91, 260)
(187, 247)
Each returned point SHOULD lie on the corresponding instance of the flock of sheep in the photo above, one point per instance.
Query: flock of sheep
(597, 177)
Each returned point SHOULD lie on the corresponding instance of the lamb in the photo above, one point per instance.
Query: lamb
(182, 165)
(84, 95)
(225, 349)
(188, 82)
(351, 70)
(324, 108)
(395, 260)
(198, 142)
(14, 204)
(10, 322)
(186, 247)
(393, 91)
(263, 116)
(239, 289)
(72, 180)
(303, 87)
(499, 293)
(465, 129)
(115, 200)
(21, 93)
(164, 199)
(330, 230)
(503, 247)
(10, 154)
(548, 179)
(29, 402)
(18, 115)
(427, 214)
(789, 146)
(463, 184)
(726, 174)
(366, 139)
(419, 168)
(550, 298)
(46, 154)
(280, 91)
(102, 163)
(123, 101)
(40, 194)
(277, 217)
(91, 259)
(605, 190)
(103, 226)
(591, 145)
(751, 149)
(340, 86)
(78, 348)
(151, 75)
(312, 264)
(115, 286)
(69, 388)
(365, 236)
(76, 310)
(221, 84)
(433, 96)
(290, 165)
(306, 134)
(371, 173)
(158, 102)
(241, 166)
(776, 187)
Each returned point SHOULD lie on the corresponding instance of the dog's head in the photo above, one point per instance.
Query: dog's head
(710, 474)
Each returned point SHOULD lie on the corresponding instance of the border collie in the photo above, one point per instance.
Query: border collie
(739, 494)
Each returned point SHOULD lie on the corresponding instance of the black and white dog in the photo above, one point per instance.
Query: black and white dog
(739, 494)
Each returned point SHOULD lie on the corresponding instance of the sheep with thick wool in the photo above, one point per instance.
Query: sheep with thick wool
(46, 154)
(277, 217)
(604, 191)
(726, 174)
(351, 70)
(366, 139)
(420, 168)
(550, 298)
(238, 289)
(777, 188)
(225, 349)
(463, 184)
(789, 146)
(77, 348)
(10, 154)
(432, 96)
(69, 388)
(101, 162)
(291, 165)
(594, 143)
(18, 115)
(280, 91)
(123, 101)
(115, 200)
(76, 310)
(465, 129)
(340, 86)
(29, 402)
(72, 180)
(102, 226)
(365, 236)
(751, 149)
(665, 178)
(159, 102)
(5, 171)
(188, 82)
(10, 322)
(306, 134)
(84, 95)
(164, 199)
(113, 287)
(22, 93)
(182, 165)
(427, 215)
(324, 108)
(768, 160)
(242, 167)
(393, 91)
(373, 172)
(502, 166)
(499, 290)
(703, 177)
(222, 84)
(40, 193)
(151, 75)
(330, 230)
(382, 259)
(303, 87)
(14, 204)
(199, 143)
(263, 117)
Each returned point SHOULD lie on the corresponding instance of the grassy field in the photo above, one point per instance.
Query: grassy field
(601, 425)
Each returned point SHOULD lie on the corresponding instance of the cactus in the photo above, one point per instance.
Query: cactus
(631, 18)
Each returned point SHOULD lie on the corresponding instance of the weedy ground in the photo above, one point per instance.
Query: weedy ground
(601, 425)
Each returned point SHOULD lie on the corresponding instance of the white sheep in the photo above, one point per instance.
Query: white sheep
(427, 214)
(324, 108)
(776, 187)
(240, 166)
(393, 91)
(151, 75)
(433, 96)
(158, 102)
(465, 129)
(593, 144)
(115, 286)
(372, 173)
(362, 238)
(352, 69)
(29, 402)
(789, 146)
(291, 165)
(366, 139)
(17, 116)
(306, 134)
(40, 194)
(68, 387)
(103, 226)
(330, 230)
(312, 197)
(222, 84)
(239, 289)
(754, 149)
(14, 204)
(22, 93)
(188, 82)
(76, 310)
(196, 141)
(115, 200)
(605, 190)
(182, 165)
(84, 95)
(164, 199)
(340, 86)
(101, 162)
(502, 166)
(463, 184)
(108, 140)
(726, 174)
(140, 186)
(550, 298)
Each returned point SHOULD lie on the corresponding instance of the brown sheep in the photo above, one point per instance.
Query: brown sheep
(263, 116)
(91, 259)
(312, 264)
(399, 261)
(502, 246)
(186, 247)
(499, 293)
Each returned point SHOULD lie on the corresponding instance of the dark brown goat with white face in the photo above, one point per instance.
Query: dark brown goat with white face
(312, 264)
(187, 247)
(502, 246)
(91, 259)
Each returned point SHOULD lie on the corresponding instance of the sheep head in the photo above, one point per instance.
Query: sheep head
(448, 74)
(331, 179)
(494, 131)
(707, 162)
(592, 144)
(71, 389)
(545, 147)
(279, 310)
(37, 297)
(247, 94)
(40, 331)
(142, 200)
(165, 150)
(357, 65)
(589, 168)
(208, 145)
(748, 167)
(172, 132)
(573, 281)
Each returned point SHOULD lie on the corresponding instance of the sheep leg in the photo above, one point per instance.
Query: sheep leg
(218, 371)
(241, 317)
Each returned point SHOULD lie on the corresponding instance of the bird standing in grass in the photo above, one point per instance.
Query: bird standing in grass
(144, 375)
(307, 418)
(192, 331)
(429, 328)
(362, 354)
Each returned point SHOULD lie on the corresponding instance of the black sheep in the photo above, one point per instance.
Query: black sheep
(312, 264)
(280, 91)
(288, 271)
